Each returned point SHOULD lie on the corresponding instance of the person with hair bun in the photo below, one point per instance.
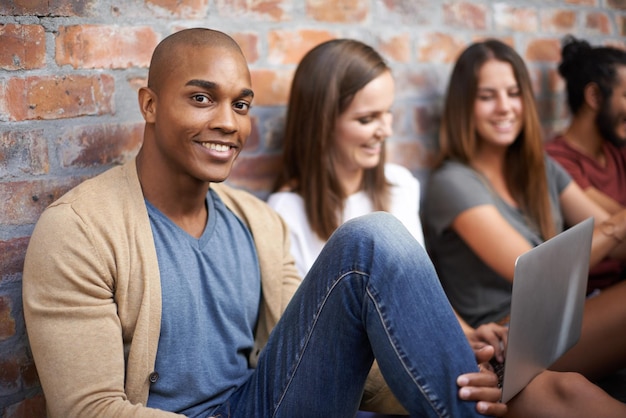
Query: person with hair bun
(593, 147)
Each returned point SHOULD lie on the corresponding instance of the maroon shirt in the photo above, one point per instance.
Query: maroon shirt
(610, 180)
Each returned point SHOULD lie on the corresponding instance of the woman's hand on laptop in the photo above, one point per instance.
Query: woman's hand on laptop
(489, 334)
(482, 386)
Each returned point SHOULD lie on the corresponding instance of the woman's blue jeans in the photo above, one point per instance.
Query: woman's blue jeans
(372, 293)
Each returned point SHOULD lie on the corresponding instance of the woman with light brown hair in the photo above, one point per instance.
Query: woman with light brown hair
(333, 166)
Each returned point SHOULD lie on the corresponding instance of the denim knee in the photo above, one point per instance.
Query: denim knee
(383, 229)
(375, 225)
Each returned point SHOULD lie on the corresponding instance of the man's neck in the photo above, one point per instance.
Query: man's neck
(183, 203)
(583, 135)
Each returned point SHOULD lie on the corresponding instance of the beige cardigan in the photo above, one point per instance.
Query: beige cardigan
(92, 296)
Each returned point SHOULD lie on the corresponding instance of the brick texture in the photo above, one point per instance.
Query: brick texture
(562, 21)
(98, 145)
(598, 23)
(262, 10)
(25, 200)
(271, 88)
(29, 407)
(58, 97)
(288, 47)
(249, 43)
(12, 261)
(188, 9)
(544, 50)
(617, 4)
(23, 153)
(7, 330)
(96, 46)
(396, 48)
(519, 19)
(23, 47)
(338, 11)
(439, 47)
(52, 8)
(465, 15)
(70, 71)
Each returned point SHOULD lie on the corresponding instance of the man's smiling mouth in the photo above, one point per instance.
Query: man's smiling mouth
(215, 147)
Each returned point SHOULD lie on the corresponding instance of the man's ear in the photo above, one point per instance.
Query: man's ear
(147, 104)
(593, 96)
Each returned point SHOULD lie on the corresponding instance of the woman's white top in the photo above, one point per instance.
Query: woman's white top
(306, 244)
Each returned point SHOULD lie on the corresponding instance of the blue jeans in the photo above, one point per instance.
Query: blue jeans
(372, 293)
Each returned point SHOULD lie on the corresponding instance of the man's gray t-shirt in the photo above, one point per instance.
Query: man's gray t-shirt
(479, 294)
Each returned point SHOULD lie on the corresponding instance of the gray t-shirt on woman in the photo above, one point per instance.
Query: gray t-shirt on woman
(478, 293)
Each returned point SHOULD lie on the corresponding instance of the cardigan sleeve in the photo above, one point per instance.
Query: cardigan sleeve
(72, 320)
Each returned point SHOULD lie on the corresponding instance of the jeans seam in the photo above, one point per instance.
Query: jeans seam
(400, 356)
(309, 333)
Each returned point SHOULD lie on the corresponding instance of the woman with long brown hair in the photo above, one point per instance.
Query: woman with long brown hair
(333, 167)
(495, 195)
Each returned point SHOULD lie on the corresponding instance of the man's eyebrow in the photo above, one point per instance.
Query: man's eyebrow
(247, 93)
(210, 85)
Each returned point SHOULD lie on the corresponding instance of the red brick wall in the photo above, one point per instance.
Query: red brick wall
(70, 69)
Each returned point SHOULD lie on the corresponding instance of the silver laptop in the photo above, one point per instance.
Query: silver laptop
(546, 306)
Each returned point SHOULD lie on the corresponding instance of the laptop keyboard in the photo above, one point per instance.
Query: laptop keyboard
(498, 369)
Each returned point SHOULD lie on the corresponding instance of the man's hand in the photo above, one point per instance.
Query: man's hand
(482, 386)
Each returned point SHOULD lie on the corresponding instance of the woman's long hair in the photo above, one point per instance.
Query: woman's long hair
(324, 85)
(524, 165)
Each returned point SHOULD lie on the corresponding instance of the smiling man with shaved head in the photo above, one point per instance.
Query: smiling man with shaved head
(151, 290)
